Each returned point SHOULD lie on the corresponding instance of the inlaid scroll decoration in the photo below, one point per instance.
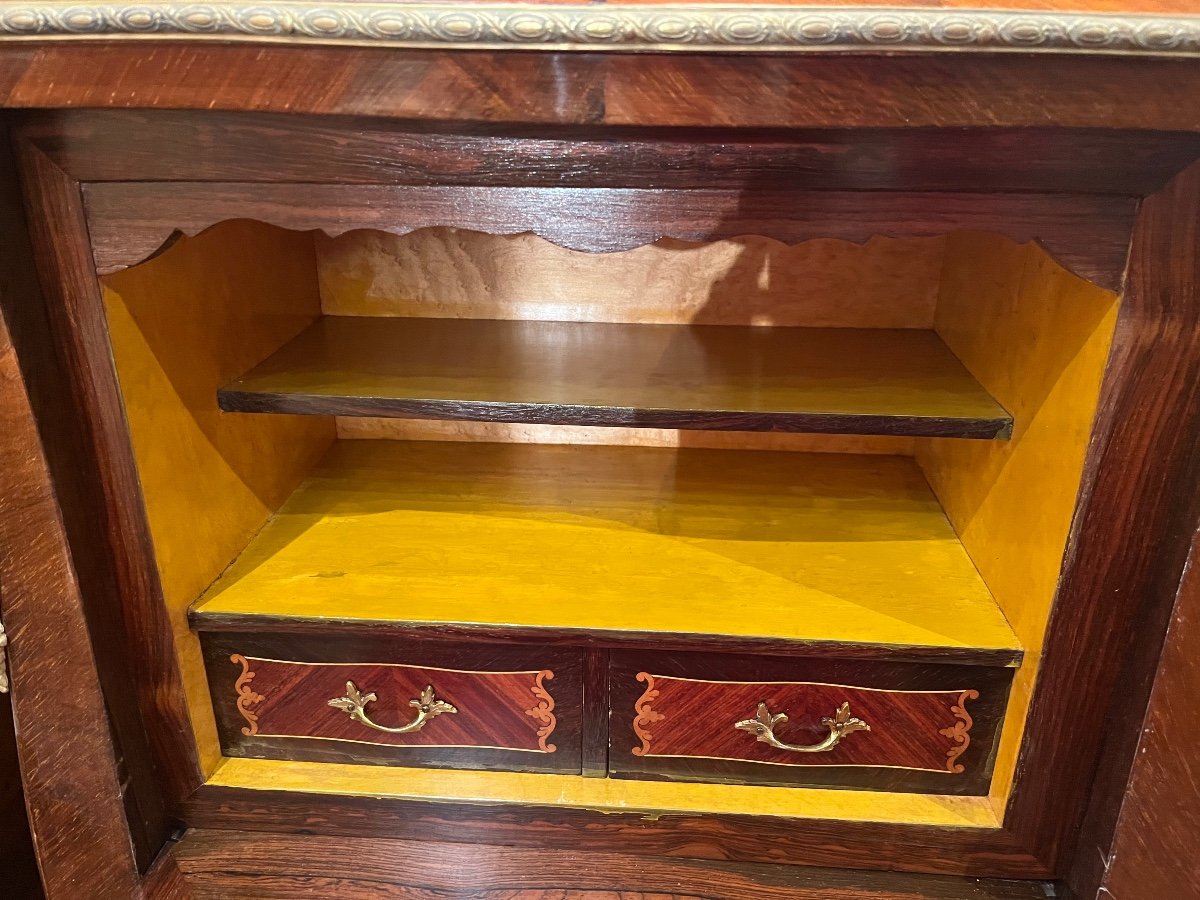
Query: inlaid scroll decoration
(543, 711)
(959, 732)
(645, 714)
(246, 695)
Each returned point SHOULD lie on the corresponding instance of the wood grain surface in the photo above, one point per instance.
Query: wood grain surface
(217, 864)
(280, 708)
(673, 717)
(1089, 234)
(1160, 810)
(946, 90)
(171, 145)
(72, 773)
(1161, 344)
(1131, 534)
(695, 719)
(705, 377)
(647, 541)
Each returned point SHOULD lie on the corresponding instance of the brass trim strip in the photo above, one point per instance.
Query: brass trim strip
(657, 27)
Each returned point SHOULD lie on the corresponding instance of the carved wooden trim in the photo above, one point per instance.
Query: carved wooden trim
(1086, 234)
(959, 732)
(543, 711)
(246, 695)
(764, 28)
(645, 715)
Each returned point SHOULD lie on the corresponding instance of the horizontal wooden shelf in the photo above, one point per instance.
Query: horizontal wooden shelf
(715, 377)
(848, 556)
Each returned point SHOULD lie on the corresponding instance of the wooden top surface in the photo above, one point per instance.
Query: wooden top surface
(788, 546)
(834, 380)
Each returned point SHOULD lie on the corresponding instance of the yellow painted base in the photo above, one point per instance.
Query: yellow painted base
(605, 795)
(792, 546)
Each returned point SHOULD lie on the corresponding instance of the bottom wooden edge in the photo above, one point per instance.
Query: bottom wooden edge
(217, 864)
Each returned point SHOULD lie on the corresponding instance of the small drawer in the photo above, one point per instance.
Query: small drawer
(912, 727)
(381, 700)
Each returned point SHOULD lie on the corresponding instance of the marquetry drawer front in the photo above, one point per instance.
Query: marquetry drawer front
(398, 706)
(836, 730)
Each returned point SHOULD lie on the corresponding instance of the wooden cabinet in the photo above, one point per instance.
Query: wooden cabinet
(584, 448)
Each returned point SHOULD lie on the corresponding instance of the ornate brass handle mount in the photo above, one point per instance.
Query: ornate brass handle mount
(764, 723)
(355, 703)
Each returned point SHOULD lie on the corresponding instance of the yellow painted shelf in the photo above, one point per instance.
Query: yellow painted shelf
(846, 554)
(711, 377)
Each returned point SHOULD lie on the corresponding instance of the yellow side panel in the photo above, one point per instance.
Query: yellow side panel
(181, 325)
(1037, 338)
(604, 794)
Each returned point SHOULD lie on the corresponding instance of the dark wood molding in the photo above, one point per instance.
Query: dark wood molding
(230, 863)
(1150, 850)
(130, 221)
(1164, 286)
(551, 637)
(105, 519)
(73, 775)
(173, 145)
(1131, 533)
(745, 838)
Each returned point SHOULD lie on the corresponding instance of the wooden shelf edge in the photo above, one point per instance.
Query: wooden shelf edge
(578, 637)
(231, 399)
(900, 382)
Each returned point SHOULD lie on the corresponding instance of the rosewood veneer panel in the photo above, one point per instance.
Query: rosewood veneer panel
(516, 708)
(932, 728)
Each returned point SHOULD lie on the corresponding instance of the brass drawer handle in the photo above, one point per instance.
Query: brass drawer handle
(763, 725)
(356, 702)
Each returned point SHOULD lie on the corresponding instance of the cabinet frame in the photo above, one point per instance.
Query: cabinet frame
(1130, 538)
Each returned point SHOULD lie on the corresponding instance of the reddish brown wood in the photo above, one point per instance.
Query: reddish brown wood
(748, 838)
(164, 880)
(1151, 851)
(219, 864)
(72, 780)
(1131, 533)
(163, 145)
(104, 516)
(1130, 538)
(595, 712)
(518, 708)
(129, 221)
(695, 719)
(818, 90)
(498, 709)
